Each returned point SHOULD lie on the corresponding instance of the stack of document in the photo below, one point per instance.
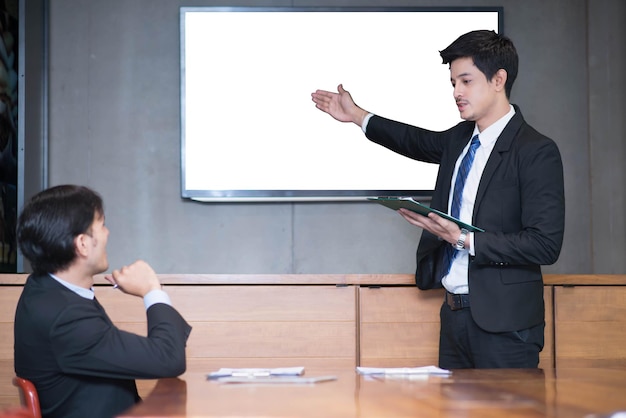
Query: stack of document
(257, 375)
(395, 371)
(255, 372)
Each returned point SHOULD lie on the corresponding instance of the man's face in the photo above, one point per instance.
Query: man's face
(475, 96)
(98, 236)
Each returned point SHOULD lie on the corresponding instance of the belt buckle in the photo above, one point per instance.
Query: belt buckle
(455, 302)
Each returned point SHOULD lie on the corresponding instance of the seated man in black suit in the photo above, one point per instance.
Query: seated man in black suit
(81, 364)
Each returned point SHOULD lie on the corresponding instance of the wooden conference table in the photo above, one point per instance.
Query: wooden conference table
(584, 392)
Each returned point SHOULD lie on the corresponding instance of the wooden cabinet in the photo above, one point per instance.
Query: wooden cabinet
(9, 296)
(339, 321)
(256, 326)
(590, 326)
(399, 326)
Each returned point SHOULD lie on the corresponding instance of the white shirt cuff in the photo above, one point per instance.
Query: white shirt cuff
(366, 119)
(156, 296)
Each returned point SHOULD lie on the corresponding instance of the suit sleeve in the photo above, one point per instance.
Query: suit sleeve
(527, 226)
(407, 140)
(86, 342)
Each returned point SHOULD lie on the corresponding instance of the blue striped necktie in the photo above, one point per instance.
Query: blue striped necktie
(455, 210)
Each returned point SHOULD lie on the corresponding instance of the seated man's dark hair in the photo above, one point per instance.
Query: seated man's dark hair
(51, 220)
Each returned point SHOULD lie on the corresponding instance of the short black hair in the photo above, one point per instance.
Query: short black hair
(50, 222)
(489, 51)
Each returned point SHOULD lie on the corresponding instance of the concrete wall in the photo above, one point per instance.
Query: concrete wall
(114, 120)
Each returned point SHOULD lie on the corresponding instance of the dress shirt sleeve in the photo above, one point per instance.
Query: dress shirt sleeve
(366, 119)
(156, 296)
(472, 250)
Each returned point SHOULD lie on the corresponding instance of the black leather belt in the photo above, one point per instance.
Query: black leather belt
(456, 302)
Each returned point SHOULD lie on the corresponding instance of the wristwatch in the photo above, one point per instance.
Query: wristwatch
(460, 243)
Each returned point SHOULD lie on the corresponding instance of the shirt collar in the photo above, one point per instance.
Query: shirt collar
(80, 291)
(489, 136)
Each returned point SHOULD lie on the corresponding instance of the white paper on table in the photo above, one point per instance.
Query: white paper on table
(276, 379)
(426, 370)
(257, 372)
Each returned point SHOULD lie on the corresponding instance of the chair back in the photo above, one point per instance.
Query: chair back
(28, 396)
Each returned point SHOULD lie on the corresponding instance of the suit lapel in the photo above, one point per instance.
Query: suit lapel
(502, 145)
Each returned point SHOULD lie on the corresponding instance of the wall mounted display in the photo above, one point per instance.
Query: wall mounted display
(249, 128)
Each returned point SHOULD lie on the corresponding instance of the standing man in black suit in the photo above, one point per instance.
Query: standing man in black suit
(81, 364)
(493, 313)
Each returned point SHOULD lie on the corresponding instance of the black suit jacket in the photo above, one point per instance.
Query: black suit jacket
(83, 365)
(519, 203)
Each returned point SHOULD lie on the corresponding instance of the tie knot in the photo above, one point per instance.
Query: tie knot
(475, 141)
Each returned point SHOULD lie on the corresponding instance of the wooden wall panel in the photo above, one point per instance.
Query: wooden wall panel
(272, 339)
(546, 357)
(256, 324)
(6, 341)
(399, 304)
(590, 303)
(207, 364)
(399, 345)
(590, 326)
(319, 326)
(399, 326)
(282, 303)
(9, 296)
(9, 396)
(241, 303)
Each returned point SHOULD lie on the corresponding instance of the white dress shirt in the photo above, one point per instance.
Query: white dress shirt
(456, 281)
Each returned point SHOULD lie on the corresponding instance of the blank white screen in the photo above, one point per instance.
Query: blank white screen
(248, 122)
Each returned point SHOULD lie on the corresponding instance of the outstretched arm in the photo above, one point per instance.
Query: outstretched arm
(339, 105)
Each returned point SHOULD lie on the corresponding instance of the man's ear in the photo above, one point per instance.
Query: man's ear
(81, 245)
(499, 79)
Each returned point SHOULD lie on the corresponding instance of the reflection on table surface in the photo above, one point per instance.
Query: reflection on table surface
(507, 393)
